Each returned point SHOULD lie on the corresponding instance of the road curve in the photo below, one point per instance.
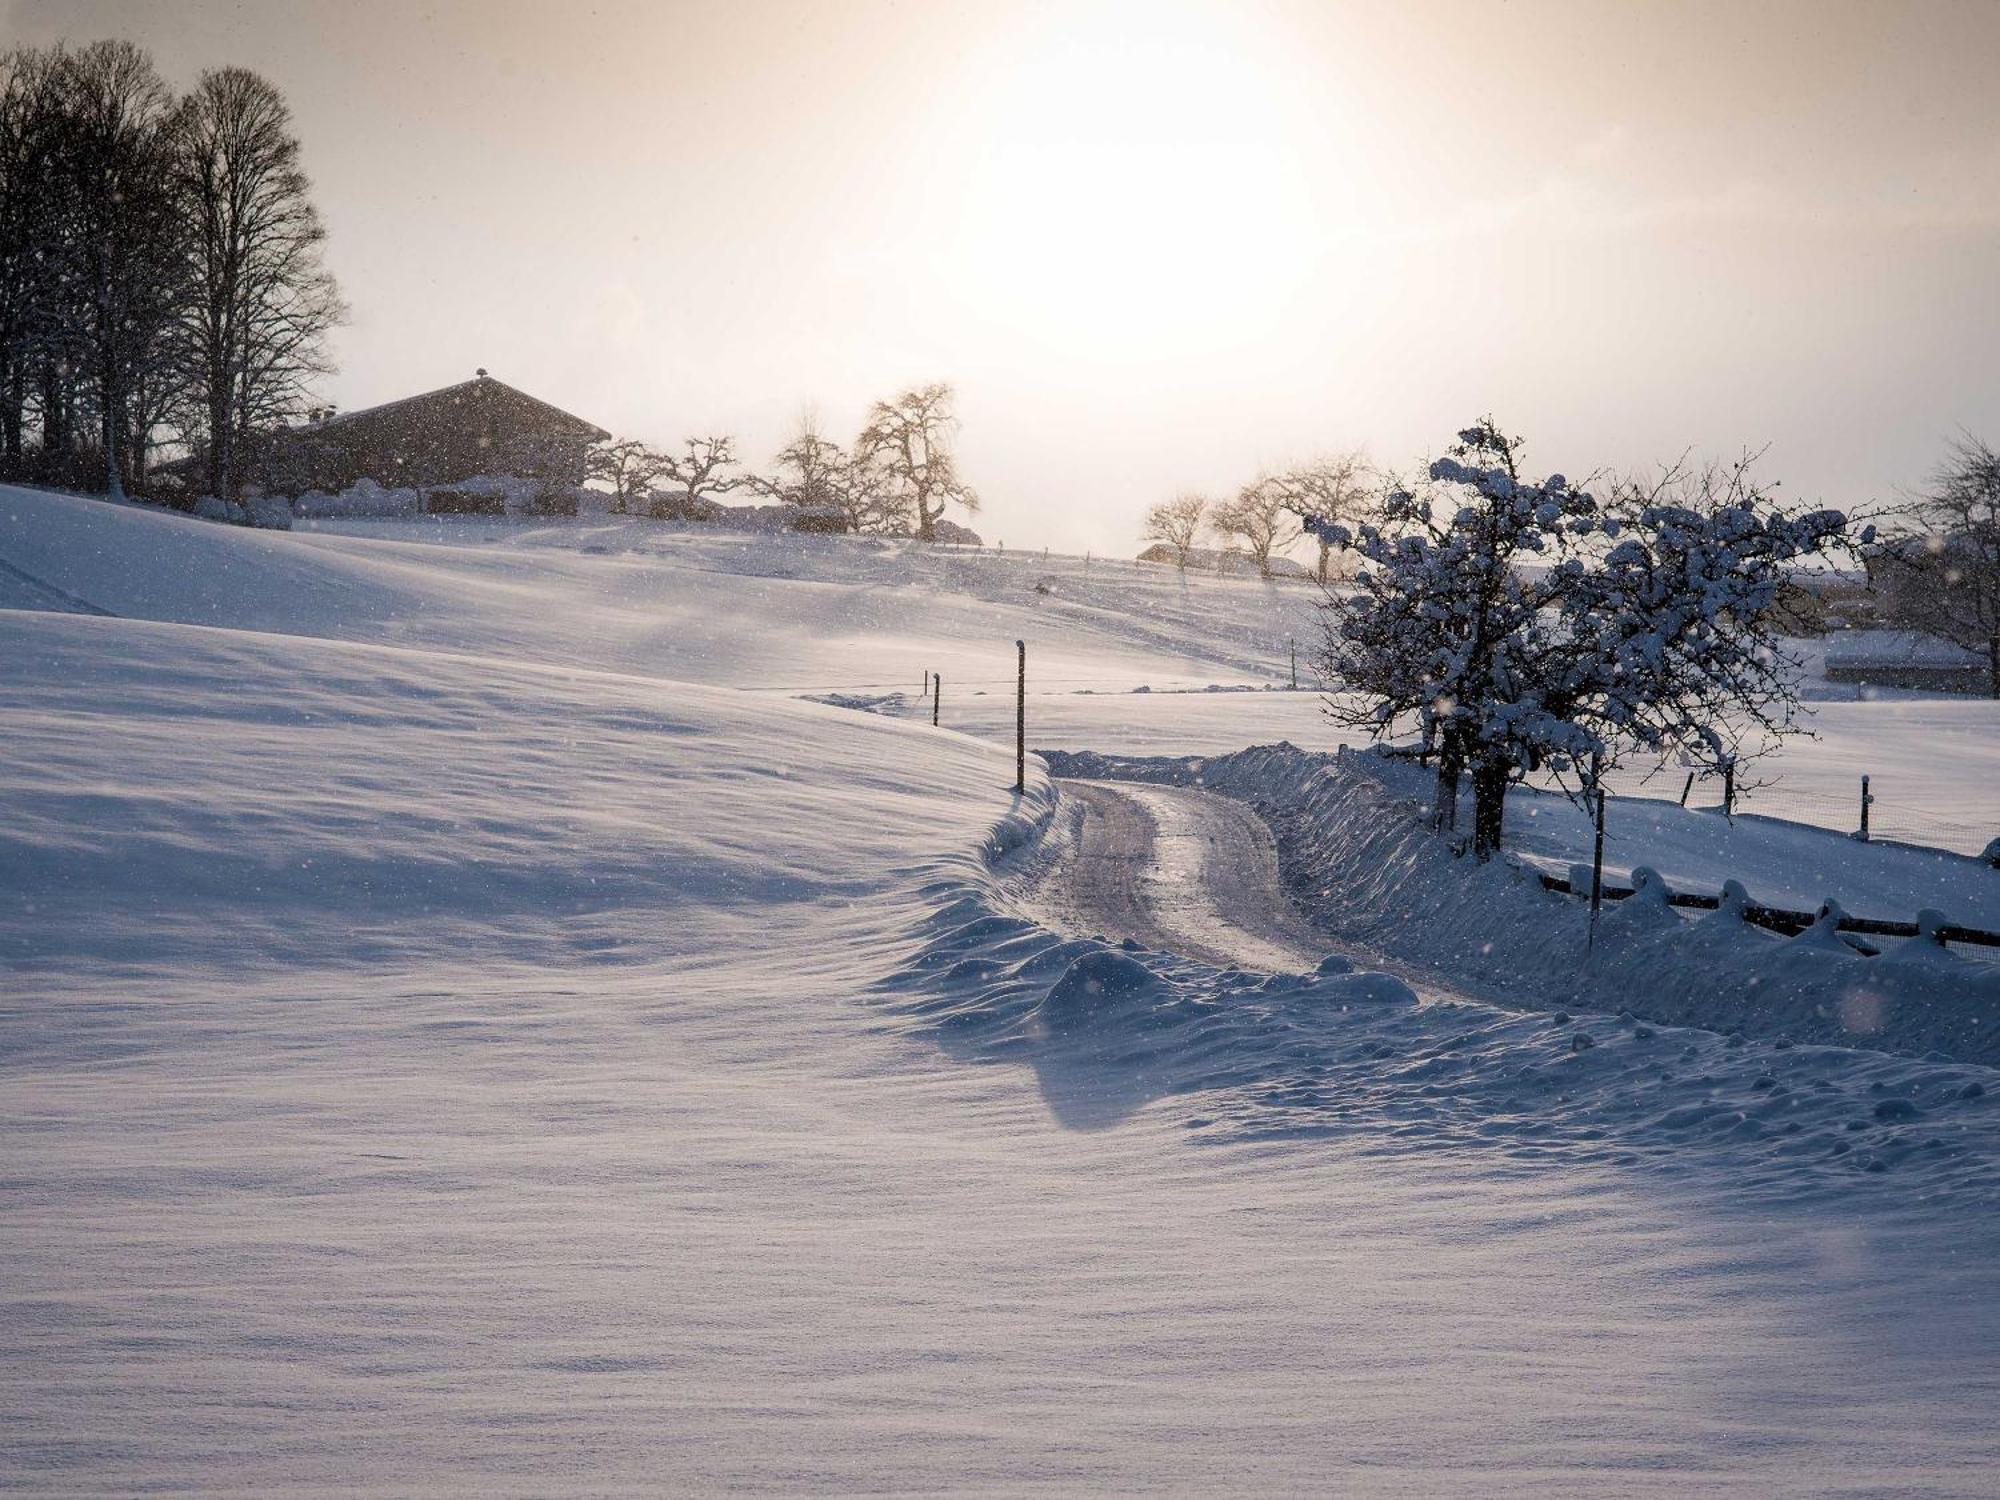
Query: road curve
(1179, 870)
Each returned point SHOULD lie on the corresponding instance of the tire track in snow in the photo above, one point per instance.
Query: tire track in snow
(1179, 870)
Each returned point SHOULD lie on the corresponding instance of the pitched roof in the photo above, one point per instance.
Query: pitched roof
(574, 425)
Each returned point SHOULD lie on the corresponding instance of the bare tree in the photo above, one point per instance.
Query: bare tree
(264, 303)
(907, 442)
(1945, 578)
(824, 486)
(700, 470)
(629, 467)
(123, 228)
(1258, 520)
(30, 264)
(1326, 491)
(1177, 523)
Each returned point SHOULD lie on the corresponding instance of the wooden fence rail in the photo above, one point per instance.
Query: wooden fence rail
(1791, 923)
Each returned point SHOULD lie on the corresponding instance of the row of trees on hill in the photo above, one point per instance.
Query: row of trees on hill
(896, 478)
(1266, 515)
(160, 271)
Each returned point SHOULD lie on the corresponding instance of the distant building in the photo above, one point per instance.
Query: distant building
(1903, 659)
(480, 427)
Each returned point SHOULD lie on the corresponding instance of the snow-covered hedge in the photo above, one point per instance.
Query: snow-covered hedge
(266, 512)
(362, 498)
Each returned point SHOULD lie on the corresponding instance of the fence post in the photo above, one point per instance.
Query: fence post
(1021, 719)
(1596, 873)
(937, 692)
(1687, 787)
(1729, 787)
(1292, 641)
(1865, 800)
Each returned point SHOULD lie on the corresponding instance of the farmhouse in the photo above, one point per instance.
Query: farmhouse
(482, 426)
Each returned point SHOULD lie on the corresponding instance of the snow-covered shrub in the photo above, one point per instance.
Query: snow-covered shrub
(954, 535)
(266, 512)
(364, 497)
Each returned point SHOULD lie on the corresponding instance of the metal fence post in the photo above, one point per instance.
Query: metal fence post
(937, 692)
(1865, 800)
(1729, 787)
(1021, 718)
(1596, 874)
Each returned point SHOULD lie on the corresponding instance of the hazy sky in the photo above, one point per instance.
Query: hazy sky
(1159, 244)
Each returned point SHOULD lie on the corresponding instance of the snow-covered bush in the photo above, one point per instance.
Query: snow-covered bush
(266, 512)
(364, 497)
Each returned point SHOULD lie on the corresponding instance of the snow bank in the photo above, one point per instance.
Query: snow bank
(265, 512)
(362, 498)
(1355, 851)
(1343, 1053)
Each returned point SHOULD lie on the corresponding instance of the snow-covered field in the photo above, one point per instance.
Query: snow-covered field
(473, 1027)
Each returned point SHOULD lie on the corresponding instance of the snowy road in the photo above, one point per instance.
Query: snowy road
(1178, 870)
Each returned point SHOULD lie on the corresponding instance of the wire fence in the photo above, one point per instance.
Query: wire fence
(1931, 812)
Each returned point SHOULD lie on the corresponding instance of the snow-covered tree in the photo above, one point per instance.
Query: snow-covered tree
(1943, 575)
(1177, 523)
(907, 443)
(1524, 624)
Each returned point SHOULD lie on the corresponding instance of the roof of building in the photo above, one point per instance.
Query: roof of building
(483, 384)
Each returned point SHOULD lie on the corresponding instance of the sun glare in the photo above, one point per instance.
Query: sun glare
(1134, 191)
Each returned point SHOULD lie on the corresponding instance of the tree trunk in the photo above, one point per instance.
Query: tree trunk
(219, 456)
(55, 424)
(1993, 664)
(1451, 762)
(1489, 803)
(109, 422)
(13, 397)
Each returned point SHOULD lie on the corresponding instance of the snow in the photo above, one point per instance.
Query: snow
(1854, 650)
(471, 1028)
